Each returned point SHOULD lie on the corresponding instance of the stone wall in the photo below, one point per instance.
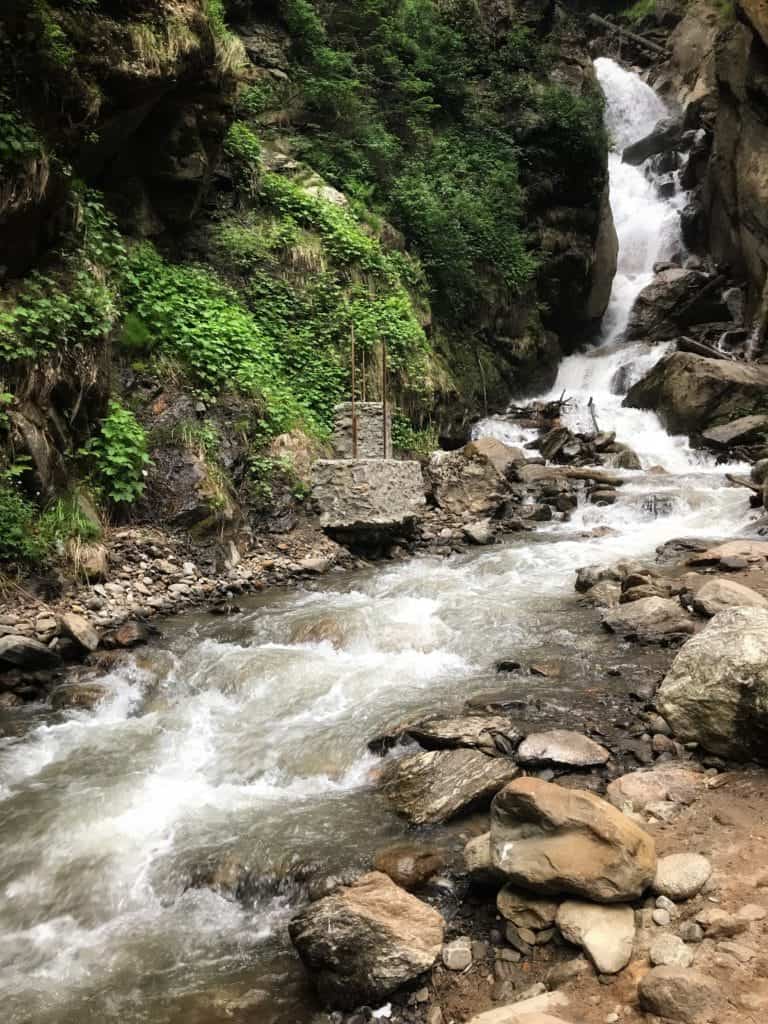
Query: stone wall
(370, 431)
(367, 493)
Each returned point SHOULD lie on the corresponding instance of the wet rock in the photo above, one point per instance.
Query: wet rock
(437, 785)
(671, 783)
(409, 865)
(131, 634)
(664, 137)
(563, 748)
(607, 934)
(654, 312)
(480, 532)
(365, 941)
(24, 652)
(490, 733)
(477, 860)
(78, 696)
(81, 630)
(502, 456)
(524, 910)
(677, 994)
(670, 951)
(716, 692)
(744, 430)
(650, 620)
(325, 630)
(603, 496)
(680, 876)
(604, 595)
(691, 392)
(716, 595)
(551, 840)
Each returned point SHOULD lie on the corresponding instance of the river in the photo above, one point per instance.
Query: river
(249, 736)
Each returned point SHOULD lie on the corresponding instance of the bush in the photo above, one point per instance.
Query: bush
(118, 455)
(20, 540)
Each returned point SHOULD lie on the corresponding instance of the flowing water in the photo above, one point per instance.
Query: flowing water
(249, 736)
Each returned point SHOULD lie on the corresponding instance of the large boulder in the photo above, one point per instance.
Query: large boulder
(503, 456)
(366, 940)
(466, 481)
(717, 594)
(716, 691)
(367, 498)
(744, 430)
(665, 136)
(655, 308)
(650, 619)
(552, 840)
(24, 652)
(607, 934)
(691, 393)
(439, 784)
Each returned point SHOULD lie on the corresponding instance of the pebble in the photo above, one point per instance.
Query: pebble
(691, 932)
(661, 918)
(664, 903)
(457, 955)
(670, 951)
(680, 876)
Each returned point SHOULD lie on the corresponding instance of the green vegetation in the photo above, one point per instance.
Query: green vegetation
(118, 455)
(413, 442)
(18, 139)
(641, 9)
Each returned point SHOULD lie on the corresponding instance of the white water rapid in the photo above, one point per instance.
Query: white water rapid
(249, 735)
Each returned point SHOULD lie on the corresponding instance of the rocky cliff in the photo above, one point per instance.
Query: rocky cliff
(202, 203)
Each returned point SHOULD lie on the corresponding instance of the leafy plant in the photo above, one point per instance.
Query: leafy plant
(411, 441)
(18, 138)
(118, 455)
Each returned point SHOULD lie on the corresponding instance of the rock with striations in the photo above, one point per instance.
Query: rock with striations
(78, 696)
(716, 595)
(24, 652)
(503, 456)
(438, 785)
(654, 310)
(552, 841)
(489, 733)
(679, 994)
(716, 691)
(365, 940)
(650, 620)
(606, 934)
(562, 748)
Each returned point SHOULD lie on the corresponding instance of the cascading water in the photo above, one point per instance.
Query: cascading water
(250, 736)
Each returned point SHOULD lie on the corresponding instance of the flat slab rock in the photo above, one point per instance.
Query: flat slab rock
(606, 934)
(491, 733)
(650, 619)
(366, 940)
(555, 841)
(537, 1010)
(561, 747)
(717, 595)
(437, 785)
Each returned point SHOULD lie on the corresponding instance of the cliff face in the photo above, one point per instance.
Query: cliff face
(201, 202)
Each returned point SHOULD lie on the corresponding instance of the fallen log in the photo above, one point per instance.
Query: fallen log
(699, 348)
(638, 39)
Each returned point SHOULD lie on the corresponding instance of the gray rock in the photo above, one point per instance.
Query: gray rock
(678, 994)
(24, 652)
(650, 620)
(691, 932)
(744, 430)
(561, 747)
(457, 955)
(466, 482)
(607, 934)
(665, 136)
(716, 692)
(680, 876)
(670, 951)
(364, 941)
(437, 785)
(480, 532)
(489, 733)
(367, 496)
(717, 595)
(638, 791)
(81, 630)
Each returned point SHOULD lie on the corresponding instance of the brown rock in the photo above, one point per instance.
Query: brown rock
(409, 865)
(678, 994)
(81, 630)
(364, 941)
(551, 840)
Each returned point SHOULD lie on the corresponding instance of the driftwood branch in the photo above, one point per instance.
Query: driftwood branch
(699, 348)
(620, 30)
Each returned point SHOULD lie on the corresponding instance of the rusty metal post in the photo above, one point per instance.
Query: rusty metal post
(384, 392)
(354, 408)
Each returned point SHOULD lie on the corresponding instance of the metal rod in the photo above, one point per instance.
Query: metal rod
(354, 409)
(384, 392)
(363, 372)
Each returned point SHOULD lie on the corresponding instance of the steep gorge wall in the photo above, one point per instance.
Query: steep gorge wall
(322, 167)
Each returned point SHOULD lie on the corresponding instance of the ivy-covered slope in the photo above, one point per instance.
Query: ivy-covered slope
(202, 203)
